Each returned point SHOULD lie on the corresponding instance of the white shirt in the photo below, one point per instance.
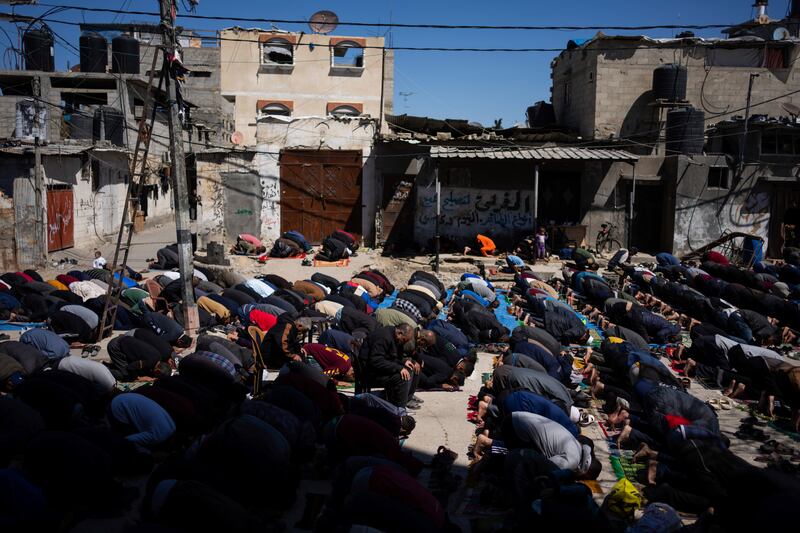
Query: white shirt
(99, 262)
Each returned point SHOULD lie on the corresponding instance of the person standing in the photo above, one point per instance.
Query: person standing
(541, 240)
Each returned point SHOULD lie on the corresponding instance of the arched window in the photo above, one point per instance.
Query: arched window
(277, 51)
(276, 109)
(348, 54)
(345, 111)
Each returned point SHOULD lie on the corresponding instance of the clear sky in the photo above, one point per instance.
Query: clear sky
(476, 86)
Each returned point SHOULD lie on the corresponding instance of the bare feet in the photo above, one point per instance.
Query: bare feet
(736, 391)
(625, 435)
(644, 453)
(688, 370)
(652, 469)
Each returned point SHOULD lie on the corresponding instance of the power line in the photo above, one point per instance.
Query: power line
(642, 45)
(412, 25)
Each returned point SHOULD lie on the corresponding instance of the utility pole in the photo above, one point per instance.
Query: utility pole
(179, 187)
(746, 123)
(742, 144)
(438, 217)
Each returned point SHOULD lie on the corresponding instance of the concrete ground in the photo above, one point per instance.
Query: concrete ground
(441, 421)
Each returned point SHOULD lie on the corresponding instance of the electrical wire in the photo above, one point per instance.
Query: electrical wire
(412, 25)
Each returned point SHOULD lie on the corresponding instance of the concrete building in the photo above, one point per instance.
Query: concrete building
(506, 182)
(86, 159)
(676, 199)
(309, 106)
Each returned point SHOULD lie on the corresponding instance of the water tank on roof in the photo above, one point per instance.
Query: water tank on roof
(94, 52)
(124, 55)
(31, 120)
(685, 131)
(37, 46)
(80, 124)
(669, 83)
(110, 121)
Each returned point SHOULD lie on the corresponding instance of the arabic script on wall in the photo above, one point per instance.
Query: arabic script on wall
(465, 212)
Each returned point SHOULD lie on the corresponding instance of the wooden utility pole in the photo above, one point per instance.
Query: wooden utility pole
(179, 186)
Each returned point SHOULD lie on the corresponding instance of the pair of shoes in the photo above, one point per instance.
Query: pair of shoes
(417, 399)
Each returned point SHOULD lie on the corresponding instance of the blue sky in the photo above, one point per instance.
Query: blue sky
(476, 86)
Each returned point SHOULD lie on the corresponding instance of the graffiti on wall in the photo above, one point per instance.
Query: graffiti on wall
(464, 212)
(270, 195)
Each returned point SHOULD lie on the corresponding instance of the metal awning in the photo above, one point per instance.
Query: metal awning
(533, 153)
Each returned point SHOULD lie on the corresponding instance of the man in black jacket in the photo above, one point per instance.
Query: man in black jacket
(386, 364)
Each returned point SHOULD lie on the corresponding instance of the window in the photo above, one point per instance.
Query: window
(277, 52)
(780, 143)
(276, 109)
(347, 54)
(344, 110)
(718, 178)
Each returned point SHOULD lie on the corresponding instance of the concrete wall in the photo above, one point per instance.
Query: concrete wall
(211, 188)
(8, 259)
(574, 93)
(616, 102)
(703, 214)
(310, 84)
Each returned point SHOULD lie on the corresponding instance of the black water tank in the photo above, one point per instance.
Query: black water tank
(669, 83)
(114, 125)
(37, 48)
(124, 55)
(80, 125)
(94, 52)
(685, 131)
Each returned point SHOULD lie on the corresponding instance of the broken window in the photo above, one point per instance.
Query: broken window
(277, 51)
(347, 54)
(276, 109)
(345, 111)
(718, 178)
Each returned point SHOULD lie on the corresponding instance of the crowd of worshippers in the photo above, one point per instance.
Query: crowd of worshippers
(338, 245)
(69, 435)
(741, 324)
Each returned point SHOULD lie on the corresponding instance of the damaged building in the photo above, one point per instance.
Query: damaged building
(85, 120)
(668, 101)
(308, 107)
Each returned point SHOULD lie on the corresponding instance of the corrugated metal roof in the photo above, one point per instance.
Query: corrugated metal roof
(541, 153)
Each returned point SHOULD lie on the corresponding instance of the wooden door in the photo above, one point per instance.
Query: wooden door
(321, 192)
(782, 198)
(398, 219)
(60, 221)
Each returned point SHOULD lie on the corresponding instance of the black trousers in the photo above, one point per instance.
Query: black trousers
(398, 390)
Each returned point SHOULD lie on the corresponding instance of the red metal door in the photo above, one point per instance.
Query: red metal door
(60, 221)
(320, 192)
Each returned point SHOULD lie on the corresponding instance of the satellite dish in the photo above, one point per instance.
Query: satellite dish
(237, 137)
(323, 21)
(780, 34)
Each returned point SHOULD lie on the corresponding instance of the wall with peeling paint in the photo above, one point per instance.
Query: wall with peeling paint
(703, 214)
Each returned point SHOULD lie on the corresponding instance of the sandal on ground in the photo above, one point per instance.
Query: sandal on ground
(714, 403)
(725, 404)
(586, 419)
